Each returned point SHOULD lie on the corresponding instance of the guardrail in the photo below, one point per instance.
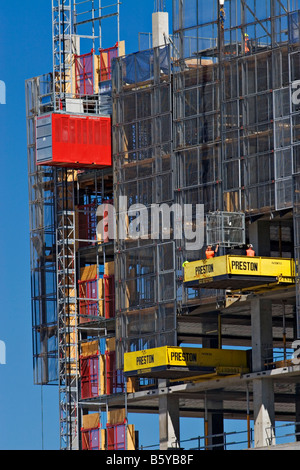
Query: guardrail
(237, 440)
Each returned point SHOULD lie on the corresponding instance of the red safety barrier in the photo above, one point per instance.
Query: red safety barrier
(106, 58)
(84, 72)
(109, 296)
(88, 300)
(116, 436)
(89, 371)
(90, 439)
(114, 376)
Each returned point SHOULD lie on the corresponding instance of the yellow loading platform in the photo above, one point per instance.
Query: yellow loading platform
(239, 273)
(180, 363)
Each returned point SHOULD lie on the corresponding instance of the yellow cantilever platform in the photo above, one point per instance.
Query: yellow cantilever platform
(176, 362)
(239, 272)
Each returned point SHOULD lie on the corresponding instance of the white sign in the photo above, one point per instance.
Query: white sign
(296, 92)
(155, 222)
(2, 92)
(2, 353)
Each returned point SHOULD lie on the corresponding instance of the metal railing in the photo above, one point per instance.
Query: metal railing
(227, 441)
(278, 357)
(283, 433)
(286, 433)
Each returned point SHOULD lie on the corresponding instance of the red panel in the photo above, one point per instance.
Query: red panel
(88, 306)
(90, 439)
(109, 296)
(106, 57)
(89, 376)
(110, 371)
(116, 437)
(110, 438)
(84, 69)
(81, 141)
(114, 376)
(85, 389)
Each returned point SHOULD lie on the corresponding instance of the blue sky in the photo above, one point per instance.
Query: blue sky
(25, 52)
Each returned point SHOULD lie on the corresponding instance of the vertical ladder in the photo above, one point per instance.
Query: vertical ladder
(62, 50)
(67, 310)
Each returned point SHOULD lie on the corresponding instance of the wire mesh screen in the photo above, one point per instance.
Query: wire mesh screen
(226, 229)
(142, 135)
(42, 240)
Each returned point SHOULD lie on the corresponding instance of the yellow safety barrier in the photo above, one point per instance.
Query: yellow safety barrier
(185, 361)
(239, 272)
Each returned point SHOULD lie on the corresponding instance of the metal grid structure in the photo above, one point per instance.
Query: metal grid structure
(63, 216)
(92, 17)
(39, 96)
(232, 118)
(62, 50)
(142, 139)
(231, 151)
(226, 229)
(67, 316)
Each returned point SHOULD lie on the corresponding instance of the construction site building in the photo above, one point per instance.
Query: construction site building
(128, 315)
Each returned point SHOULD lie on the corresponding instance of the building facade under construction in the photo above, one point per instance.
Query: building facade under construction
(137, 162)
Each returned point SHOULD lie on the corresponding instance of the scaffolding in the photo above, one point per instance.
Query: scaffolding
(67, 315)
(70, 310)
(62, 50)
(39, 94)
(142, 140)
(230, 149)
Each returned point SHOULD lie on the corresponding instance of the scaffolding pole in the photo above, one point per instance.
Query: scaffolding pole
(62, 51)
(67, 311)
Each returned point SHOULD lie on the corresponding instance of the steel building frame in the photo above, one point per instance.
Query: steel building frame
(224, 150)
(240, 165)
(142, 139)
